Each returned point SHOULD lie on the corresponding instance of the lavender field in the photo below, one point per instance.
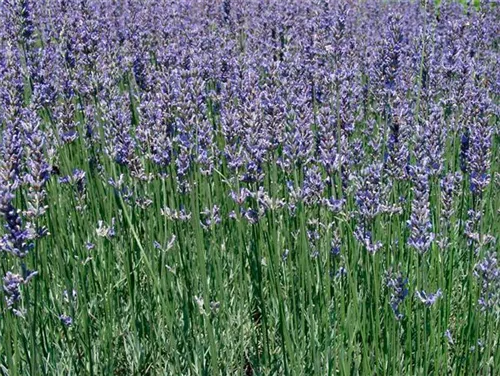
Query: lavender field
(249, 187)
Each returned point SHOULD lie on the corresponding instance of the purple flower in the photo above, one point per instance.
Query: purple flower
(18, 238)
(371, 191)
(398, 154)
(297, 149)
(420, 225)
(335, 247)
(398, 286)
(313, 187)
(434, 136)
(175, 215)
(487, 271)
(105, 231)
(240, 197)
(449, 188)
(464, 150)
(251, 215)
(333, 204)
(67, 321)
(365, 237)
(210, 217)
(11, 287)
(428, 298)
(479, 150)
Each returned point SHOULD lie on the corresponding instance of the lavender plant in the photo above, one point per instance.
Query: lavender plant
(249, 187)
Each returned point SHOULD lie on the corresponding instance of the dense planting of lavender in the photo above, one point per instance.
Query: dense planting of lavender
(249, 187)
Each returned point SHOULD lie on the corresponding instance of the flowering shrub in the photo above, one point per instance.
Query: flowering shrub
(249, 187)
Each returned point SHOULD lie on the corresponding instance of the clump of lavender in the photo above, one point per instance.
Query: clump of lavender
(155, 129)
(21, 227)
(17, 239)
(331, 110)
(121, 144)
